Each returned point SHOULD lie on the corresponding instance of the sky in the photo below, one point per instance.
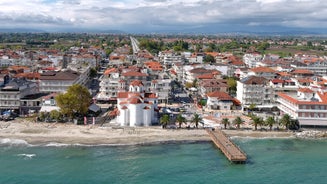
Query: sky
(150, 16)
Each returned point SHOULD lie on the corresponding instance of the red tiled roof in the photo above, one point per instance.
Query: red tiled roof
(220, 95)
(150, 95)
(302, 71)
(136, 83)
(122, 94)
(277, 81)
(29, 75)
(262, 70)
(323, 97)
(283, 74)
(302, 80)
(206, 76)
(305, 90)
(109, 71)
(134, 73)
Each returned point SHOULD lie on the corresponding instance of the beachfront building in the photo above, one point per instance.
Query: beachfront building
(110, 85)
(12, 92)
(255, 90)
(136, 107)
(308, 106)
(218, 100)
(60, 81)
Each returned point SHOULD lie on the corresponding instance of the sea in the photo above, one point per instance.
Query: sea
(280, 161)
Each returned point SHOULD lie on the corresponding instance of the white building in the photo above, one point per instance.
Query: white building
(218, 100)
(135, 107)
(252, 60)
(255, 90)
(308, 107)
(60, 81)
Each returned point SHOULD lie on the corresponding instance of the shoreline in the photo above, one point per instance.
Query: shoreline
(92, 135)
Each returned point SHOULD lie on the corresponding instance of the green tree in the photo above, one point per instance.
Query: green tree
(188, 85)
(256, 121)
(270, 121)
(180, 119)
(75, 101)
(195, 83)
(286, 120)
(164, 120)
(93, 73)
(238, 121)
(232, 84)
(42, 116)
(196, 119)
(55, 115)
(289, 123)
(209, 59)
(226, 122)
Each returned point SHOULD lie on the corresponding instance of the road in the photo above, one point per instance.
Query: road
(135, 45)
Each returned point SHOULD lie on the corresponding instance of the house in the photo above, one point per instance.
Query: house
(49, 103)
(218, 100)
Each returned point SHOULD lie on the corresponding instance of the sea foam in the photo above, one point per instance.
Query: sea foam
(28, 156)
(13, 142)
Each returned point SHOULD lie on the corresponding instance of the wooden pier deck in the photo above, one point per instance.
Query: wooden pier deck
(227, 146)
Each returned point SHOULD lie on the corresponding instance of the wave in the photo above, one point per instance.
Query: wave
(29, 156)
(56, 144)
(14, 142)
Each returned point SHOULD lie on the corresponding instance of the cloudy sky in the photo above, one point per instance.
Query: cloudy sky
(137, 16)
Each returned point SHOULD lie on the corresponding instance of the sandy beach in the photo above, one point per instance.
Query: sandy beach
(45, 133)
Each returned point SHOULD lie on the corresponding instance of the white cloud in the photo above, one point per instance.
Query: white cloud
(166, 14)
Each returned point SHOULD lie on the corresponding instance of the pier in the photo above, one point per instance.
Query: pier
(227, 146)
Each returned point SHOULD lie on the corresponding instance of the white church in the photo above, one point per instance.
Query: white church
(136, 107)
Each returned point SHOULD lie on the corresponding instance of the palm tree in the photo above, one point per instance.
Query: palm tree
(196, 119)
(226, 122)
(164, 120)
(270, 121)
(286, 121)
(180, 119)
(256, 121)
(238, 121)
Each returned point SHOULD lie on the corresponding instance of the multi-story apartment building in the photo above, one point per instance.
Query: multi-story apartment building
(307, 106)
(118, 80)
(211, 85)
(252, 60)
(265, 72)
(60, 81)
(12, 93)
(254, 90)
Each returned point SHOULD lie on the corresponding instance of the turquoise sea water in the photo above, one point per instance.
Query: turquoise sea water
(289, 161)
